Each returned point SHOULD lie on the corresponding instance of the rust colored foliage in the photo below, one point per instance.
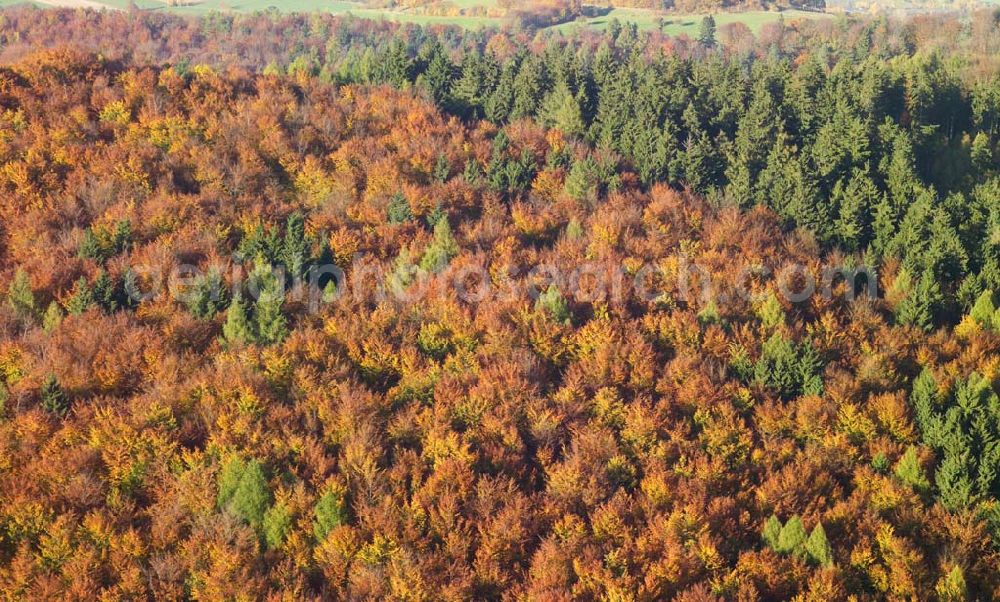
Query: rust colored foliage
(588, 444)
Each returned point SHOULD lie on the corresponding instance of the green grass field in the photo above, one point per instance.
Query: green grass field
(677, 24)
(288, 6)
(645, 19)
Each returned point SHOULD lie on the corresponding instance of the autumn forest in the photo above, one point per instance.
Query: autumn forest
(312, 307)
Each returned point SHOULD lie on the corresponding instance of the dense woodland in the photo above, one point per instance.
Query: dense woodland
(169, 439)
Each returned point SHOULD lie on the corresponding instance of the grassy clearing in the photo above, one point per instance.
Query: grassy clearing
(341, 7)
(144, 4)
(688, 24)
(474, 3)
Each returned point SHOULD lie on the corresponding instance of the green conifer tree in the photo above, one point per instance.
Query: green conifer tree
(437, 79)
(920, 304)
(228, 480)
(954, 483)
(91, 246)
(909, 470)
(583, 181)
(982, 154)
(207, 296)
(856, 202)
(54, 399)
(792, 537)
(330, 512)
(441, 250)
(277, 524)
(554, 304)
(252, 496)
(394, 67)
(104, 293)
(984, 310)
(442, 169)
(53, 317)
(473, 173)
(238, 329)
(561, 110)
(706, 31)
(20, 297)
(770, 312)
(295, 246)
(80, 299)
(818, 548)
(398, 211)
(771, 532)
(270, 324)
(122, 237)
(131, 295)
(500, 102)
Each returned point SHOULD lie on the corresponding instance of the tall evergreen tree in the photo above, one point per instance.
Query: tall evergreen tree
(706, 31)
(122, 237)
(206, 297)
(295, 247)
(398, 211)
(500, 102)
(252, 496)
(270, 324)
(792, 537)
(20, 297)
(441, 249)
(53, 398)
(243, 491)
(277, 523)
(80, 299)
(105, 293)
(91, 247)
(909, 471)
(394, 67)
(330, 512)
(700, 162)
(238, 328)
(771, 532)
(855, 204)
(981, 154)
(561, 110)
(442, 169)
(52, 318)
(530, 86)
(472, 88)
(818, 547)
(437, 79)
(841, 145)
(554, 304)
(131, 294)
(921, 302)
(757, 132)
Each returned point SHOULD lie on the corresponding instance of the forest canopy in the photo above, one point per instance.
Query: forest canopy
(240, 355)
